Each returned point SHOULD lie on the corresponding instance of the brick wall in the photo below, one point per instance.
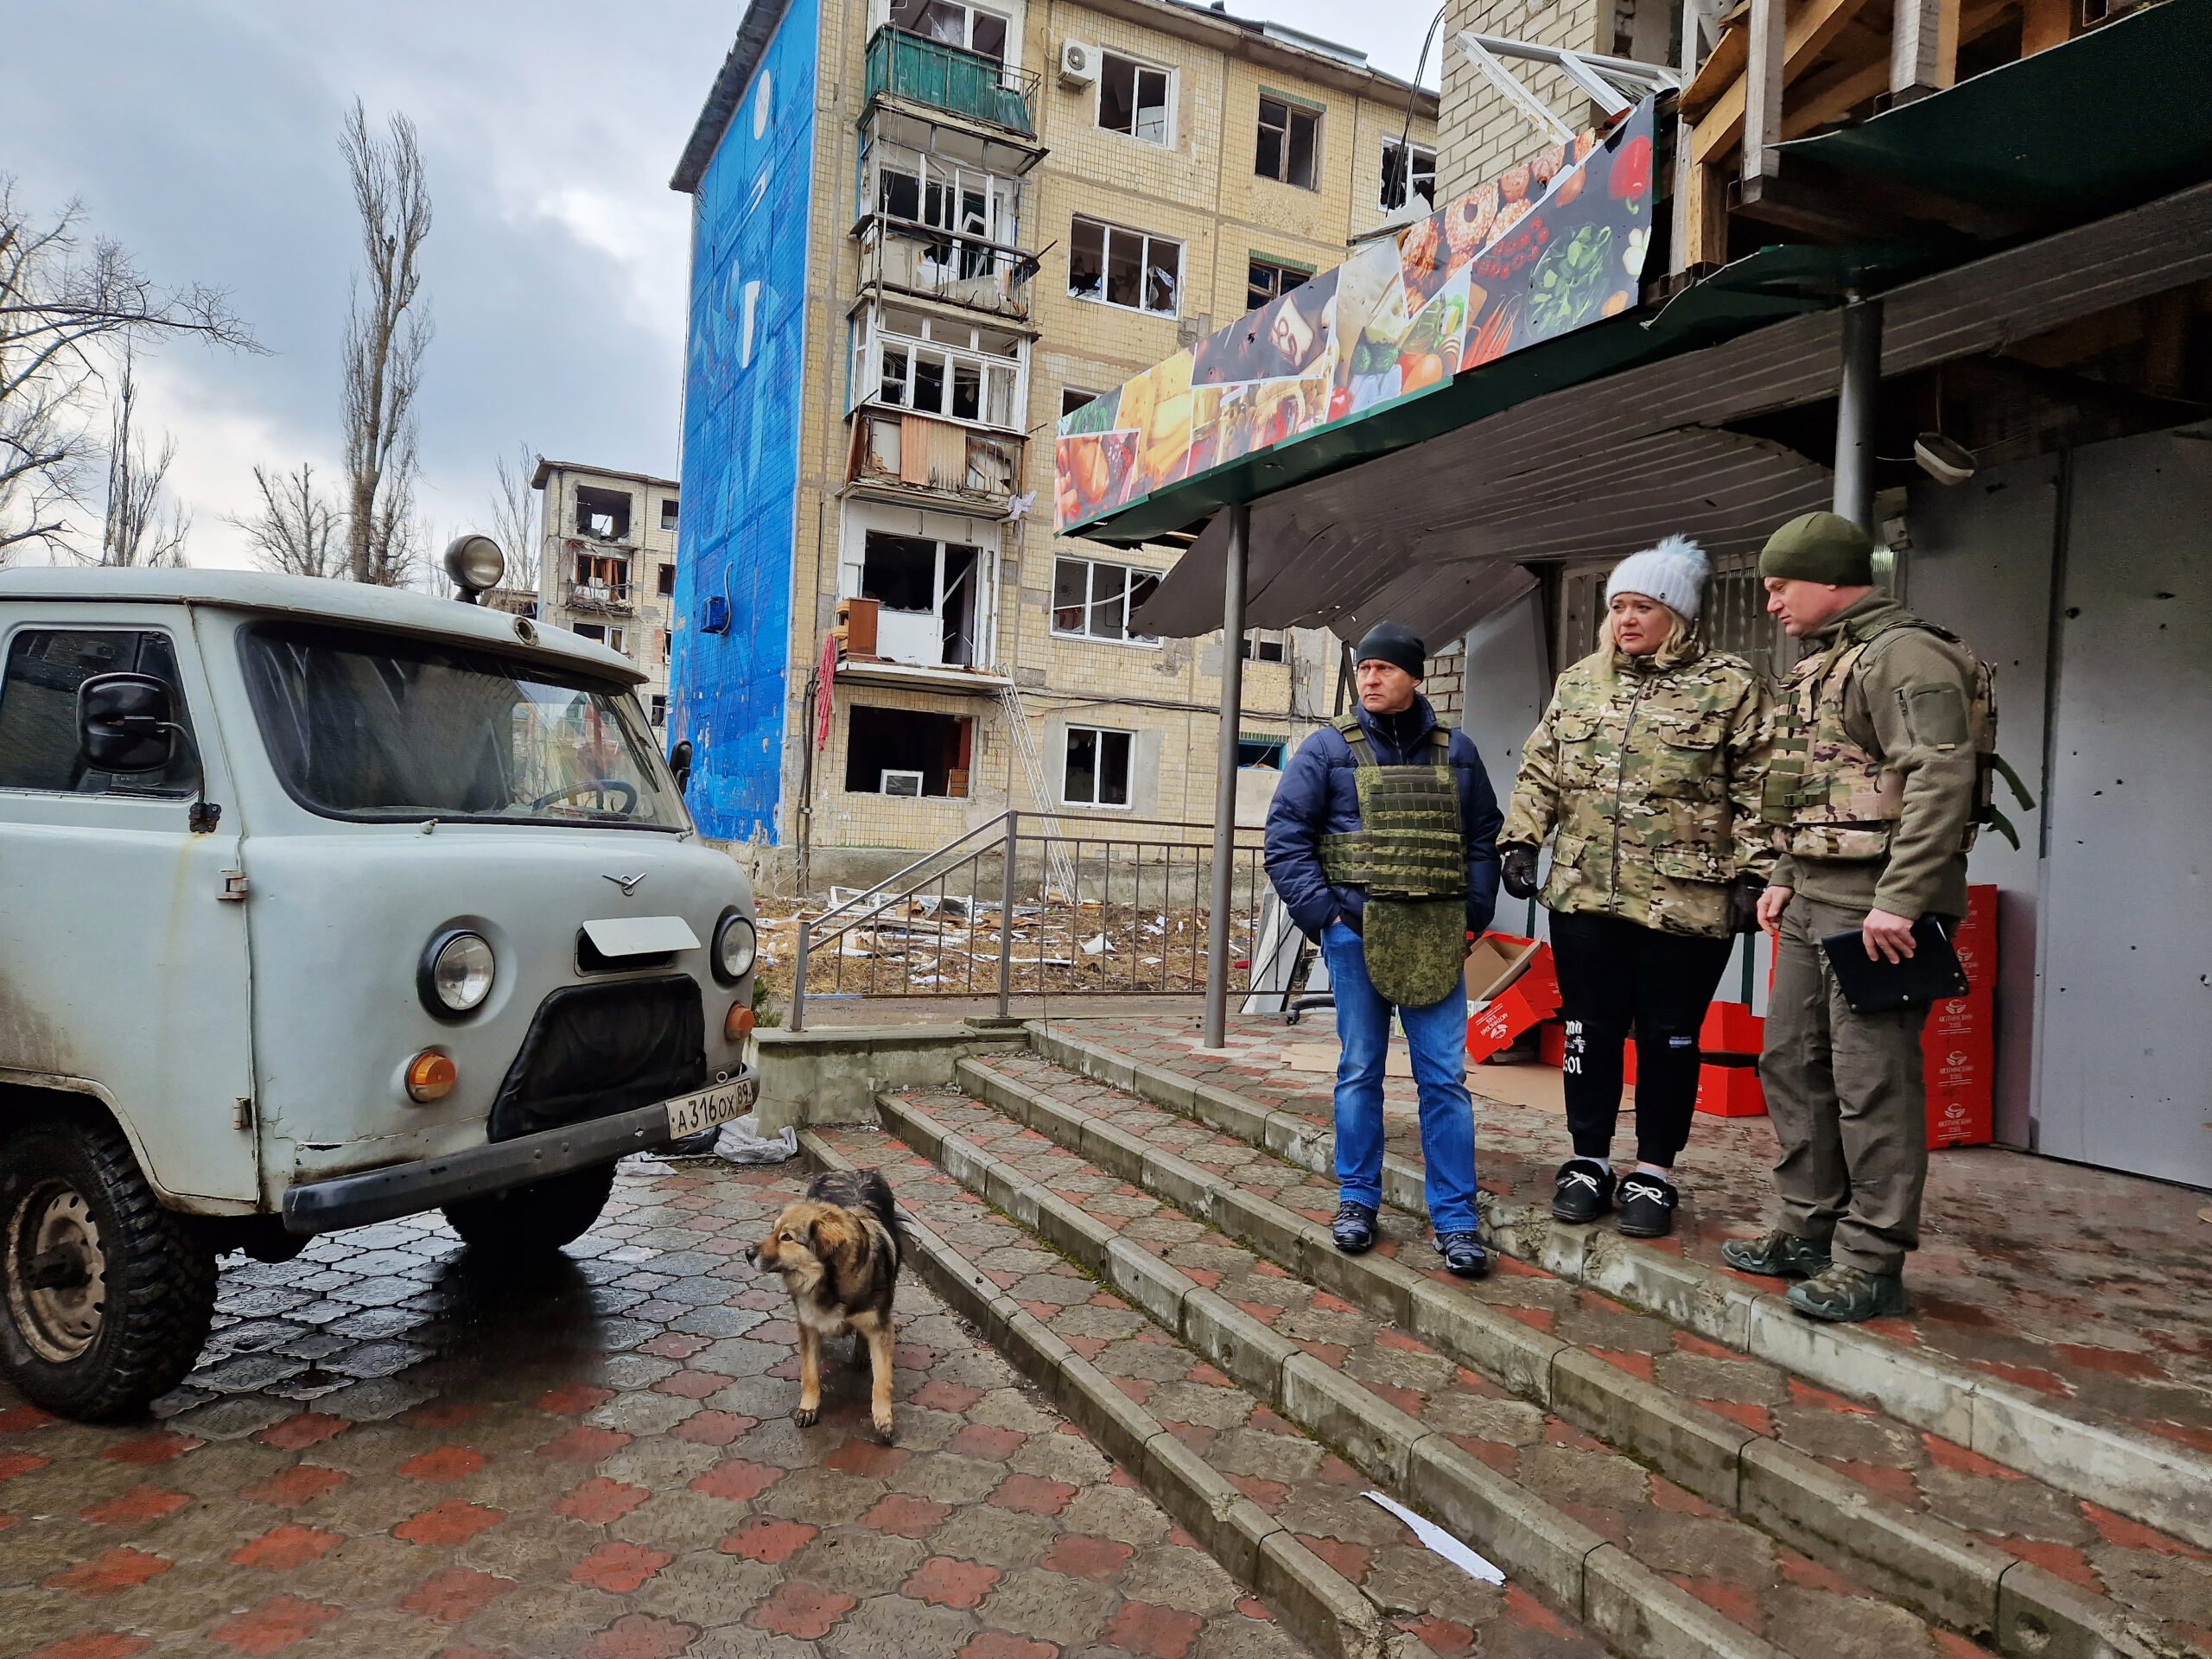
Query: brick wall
(1479, 134)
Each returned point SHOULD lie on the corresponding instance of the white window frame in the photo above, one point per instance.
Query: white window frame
(1012, 19)
(1147, 238)
(1382, 175)
(1001, 219)
(1099, 734)
(1130, 572)
(946, 530)
(883, 356)
(1140, 67)
(1292, 109)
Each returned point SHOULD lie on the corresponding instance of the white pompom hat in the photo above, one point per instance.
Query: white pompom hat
(1673, 573)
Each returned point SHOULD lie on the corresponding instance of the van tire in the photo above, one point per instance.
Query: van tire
(535, 1220)
(156, 1295)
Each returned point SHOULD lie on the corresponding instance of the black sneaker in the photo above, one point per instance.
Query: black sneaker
(1463, 1254)
(1585, 1191)
(1354, 1228)
(1647, 1205)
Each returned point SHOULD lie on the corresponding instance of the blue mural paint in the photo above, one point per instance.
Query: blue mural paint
(743, 380)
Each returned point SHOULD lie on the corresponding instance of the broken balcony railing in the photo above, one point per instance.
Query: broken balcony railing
(1032, 906)
(910, 257)
(611, 597)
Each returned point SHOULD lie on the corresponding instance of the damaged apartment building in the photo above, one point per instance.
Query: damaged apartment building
(922, 231)
(606, 564)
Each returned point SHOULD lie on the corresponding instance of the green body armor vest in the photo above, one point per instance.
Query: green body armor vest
(1409, 857)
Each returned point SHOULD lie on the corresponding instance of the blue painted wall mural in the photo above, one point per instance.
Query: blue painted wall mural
(743, 376)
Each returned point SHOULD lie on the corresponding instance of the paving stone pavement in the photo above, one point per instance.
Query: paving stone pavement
(2086, 1285)
(2153, 1573)
(387, 1452)
(1769, 1589)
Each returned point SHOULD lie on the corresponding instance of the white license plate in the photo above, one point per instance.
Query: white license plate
(689, 1114)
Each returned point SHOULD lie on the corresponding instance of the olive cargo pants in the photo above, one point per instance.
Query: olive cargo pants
(1845, 1095)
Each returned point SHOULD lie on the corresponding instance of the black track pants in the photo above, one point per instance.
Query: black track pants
(1614, 974)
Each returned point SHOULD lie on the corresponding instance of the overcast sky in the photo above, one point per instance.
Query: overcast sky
(203, 135)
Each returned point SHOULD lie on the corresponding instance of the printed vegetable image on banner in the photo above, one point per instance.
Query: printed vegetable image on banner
(1544, 248)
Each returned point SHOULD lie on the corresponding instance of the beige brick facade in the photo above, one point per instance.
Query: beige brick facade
(616, 587)
(1200, 188)
(1479, 133)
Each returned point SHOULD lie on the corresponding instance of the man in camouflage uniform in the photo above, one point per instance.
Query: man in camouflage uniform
(1872, 794)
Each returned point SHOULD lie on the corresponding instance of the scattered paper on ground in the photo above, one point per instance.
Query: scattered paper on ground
(1443, 1543)
(1322, 1057)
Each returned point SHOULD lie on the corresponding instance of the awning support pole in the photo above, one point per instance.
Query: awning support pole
(1854, 410)
(1225, 794)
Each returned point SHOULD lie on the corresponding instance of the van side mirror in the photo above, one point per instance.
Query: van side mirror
(679, 762)
(125, 723)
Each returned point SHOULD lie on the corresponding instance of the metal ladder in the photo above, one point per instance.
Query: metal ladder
(1059, 866)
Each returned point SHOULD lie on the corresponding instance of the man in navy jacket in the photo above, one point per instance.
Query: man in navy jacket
(1317, 798)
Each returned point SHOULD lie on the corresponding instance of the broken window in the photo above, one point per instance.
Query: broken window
(1266, 281)
(668, 512)
(899, 572)
(1097, 769)
(1263, 752)
(1394, 174)
(657, 711)
(951, 24)
(600, 576)
(590, 630)
(885, 748)
(664, 583)
(1133, 98)
(975, 375)
(1125, 268)
(1072, 398)
(604, 515)
(1289, 136)
(1264, 645)
(1092, 599)
(931, 608)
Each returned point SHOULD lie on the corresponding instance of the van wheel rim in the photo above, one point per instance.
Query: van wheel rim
(57, 1273)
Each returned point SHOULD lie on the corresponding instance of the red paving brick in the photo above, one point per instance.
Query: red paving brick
(110, 1572)
(619, 1568)
(456, 1595)
(764, 1538)
(446, 1524)
(945, 1582)
(283, 1548)
(1097, 1558)
(600, 1502)
(92, 1644)
(801, 1610)
(141, 1504)
(300, 1484)
(1163, 1632)
(273, 1625)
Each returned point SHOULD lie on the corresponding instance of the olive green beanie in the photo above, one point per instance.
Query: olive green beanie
(1820, 547)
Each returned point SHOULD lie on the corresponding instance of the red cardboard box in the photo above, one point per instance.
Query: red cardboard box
(1730, 1091)
(1551, 1043)
(1732, 1028)
(1958, 1045)
(1508, 1015)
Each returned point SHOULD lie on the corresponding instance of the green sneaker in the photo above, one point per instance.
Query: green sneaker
(1776, 1255)
(1850, 1294)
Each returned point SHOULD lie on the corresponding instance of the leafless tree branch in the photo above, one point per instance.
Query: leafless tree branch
(136, 530)
(296, 531)
(387, 330)
(513, 513)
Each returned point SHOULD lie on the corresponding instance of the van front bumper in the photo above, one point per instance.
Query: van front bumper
(407, 1189)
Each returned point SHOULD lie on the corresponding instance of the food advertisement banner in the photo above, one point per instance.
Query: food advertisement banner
(1545, 249)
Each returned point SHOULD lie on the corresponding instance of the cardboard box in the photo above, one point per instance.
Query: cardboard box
(1521, 991)
(1958, 1045)
(1551, 1043)
(1496, 961)
(1732, 1028)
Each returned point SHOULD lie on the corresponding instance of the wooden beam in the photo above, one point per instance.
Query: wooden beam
(1833, 96)
(1719, 72)
(1762, 73)
(1705, 218)
(2043, 24)
(1923, 49)
(1816, 25)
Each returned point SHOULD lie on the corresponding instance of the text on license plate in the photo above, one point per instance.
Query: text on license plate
(689, 1114)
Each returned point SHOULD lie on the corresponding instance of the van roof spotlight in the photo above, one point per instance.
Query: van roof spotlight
(475, 565)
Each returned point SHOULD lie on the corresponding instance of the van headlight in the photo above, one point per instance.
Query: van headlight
(456, 973)
(735, 946)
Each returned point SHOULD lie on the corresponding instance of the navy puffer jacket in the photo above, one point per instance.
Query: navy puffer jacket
(1317, 798)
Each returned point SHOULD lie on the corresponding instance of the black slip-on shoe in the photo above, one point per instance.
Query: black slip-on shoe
(1584, 1191)
(1354, 1227)
(1647, 1205)
(1463, 1254)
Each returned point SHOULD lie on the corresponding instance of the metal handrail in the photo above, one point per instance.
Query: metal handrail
(900, 917)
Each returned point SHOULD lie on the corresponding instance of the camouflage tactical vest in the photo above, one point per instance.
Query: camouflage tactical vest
(1830, 798)
(1411, 857)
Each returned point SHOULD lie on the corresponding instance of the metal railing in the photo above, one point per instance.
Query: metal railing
(991, 914)
(903, 65)
(610, 597)
(911, 257)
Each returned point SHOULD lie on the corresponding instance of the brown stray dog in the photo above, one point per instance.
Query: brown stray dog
(838, 1249)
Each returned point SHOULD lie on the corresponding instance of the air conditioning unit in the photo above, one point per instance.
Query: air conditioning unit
(1078, 64)
(908, 783)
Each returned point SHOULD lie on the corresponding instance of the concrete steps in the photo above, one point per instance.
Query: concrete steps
(1640, 1561)
(2156, 1481)
(1855, 1492)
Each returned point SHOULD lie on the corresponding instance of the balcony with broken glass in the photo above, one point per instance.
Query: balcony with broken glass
(937, 227)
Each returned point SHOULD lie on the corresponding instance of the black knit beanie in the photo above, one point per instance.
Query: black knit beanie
(1393, 643)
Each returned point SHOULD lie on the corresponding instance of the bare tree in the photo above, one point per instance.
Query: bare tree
(387, 330)
(136, 530)
(58, 299)
(513, 513)
(296, 531)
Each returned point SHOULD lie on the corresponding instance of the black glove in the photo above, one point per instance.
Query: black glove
(1517, 870)
(1744, 903)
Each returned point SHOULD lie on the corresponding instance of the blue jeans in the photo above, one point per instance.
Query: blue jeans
(1438, 1037)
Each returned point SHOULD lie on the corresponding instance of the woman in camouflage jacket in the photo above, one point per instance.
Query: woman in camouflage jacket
(1646, 775)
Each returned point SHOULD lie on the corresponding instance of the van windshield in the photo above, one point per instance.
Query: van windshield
(366, 725)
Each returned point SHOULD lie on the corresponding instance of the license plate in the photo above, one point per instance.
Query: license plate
(689, 1114)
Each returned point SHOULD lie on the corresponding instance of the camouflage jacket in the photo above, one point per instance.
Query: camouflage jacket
(1650, 769)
